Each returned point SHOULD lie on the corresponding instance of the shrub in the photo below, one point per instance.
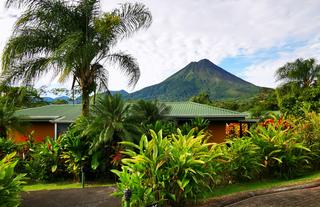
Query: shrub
(167, 127)
(43, 160)
(243, 159)
(7, 146)
(196, 125)
(284, 154)
(74, 152)
(169, 170)
(10, 183)
(309, 130)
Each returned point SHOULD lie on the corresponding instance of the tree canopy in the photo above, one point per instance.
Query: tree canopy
(301, 72)
(74, 39)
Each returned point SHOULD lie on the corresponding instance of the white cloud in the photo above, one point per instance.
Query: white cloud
(263, 73)
(186, 30)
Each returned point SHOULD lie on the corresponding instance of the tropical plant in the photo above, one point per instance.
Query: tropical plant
(308, 128)
(169, 170)
(293, 99)
(243, 159)
(148, 112)
(7, 146)
(72, 39)
(75, 148)
(9, 120)
(302, 72)
(112, 116)
(284, 154)
(43, 160)
(167, 127)
(110, 122)
(10, 183)
(198, 124)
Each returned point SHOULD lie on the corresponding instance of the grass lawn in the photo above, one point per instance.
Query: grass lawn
(60, 185)
(260, 185)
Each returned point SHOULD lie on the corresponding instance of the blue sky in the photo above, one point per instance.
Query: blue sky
(238, 63)
(248, 38)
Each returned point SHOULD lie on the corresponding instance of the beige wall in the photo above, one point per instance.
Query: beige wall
(41, 130)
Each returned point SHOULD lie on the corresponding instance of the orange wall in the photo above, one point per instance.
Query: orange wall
(41, 130)
(217, 131)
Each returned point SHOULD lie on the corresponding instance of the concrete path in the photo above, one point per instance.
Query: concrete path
(93, 197)
(309, 197)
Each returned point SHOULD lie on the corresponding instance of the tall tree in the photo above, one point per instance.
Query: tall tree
(73, 39)
(302, 72)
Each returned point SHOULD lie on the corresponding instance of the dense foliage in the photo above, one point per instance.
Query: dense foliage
(283, 152)
(10, 182)
(41, 160)
(167, 170)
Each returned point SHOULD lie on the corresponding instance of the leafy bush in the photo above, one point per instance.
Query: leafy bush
(43, 160)
(74, 150)
(284, 154)
(10, 183)
(309, 130)
(167, 127)
(243, 159)
(169, 170)
(7, 146)
(196, 125)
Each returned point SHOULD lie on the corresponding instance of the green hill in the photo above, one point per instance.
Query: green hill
(196, 77)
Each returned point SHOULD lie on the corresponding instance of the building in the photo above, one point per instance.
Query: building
(52, 120)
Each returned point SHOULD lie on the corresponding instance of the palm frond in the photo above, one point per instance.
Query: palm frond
(133, 17)
(27, 71)
(128, 65)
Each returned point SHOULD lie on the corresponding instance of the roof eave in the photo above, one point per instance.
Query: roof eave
(39, 118)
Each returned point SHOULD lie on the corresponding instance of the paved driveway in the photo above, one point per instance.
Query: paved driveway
(93, 197)
(297, 198)
(100, 197)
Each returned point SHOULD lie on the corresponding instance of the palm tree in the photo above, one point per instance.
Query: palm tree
(148, 112)
(110, 121)
(301, 72)
(112, 116)
(73, 39)
(9, 120)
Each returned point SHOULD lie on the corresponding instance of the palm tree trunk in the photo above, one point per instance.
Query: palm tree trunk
(85, 102)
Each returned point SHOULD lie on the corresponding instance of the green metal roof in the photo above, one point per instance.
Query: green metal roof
(67, 113)
(192, 109)
(60, 113)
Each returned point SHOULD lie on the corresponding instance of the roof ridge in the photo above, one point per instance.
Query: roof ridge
(32, 108)
(209, 106)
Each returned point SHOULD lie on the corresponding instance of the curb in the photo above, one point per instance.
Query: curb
(232, 199)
